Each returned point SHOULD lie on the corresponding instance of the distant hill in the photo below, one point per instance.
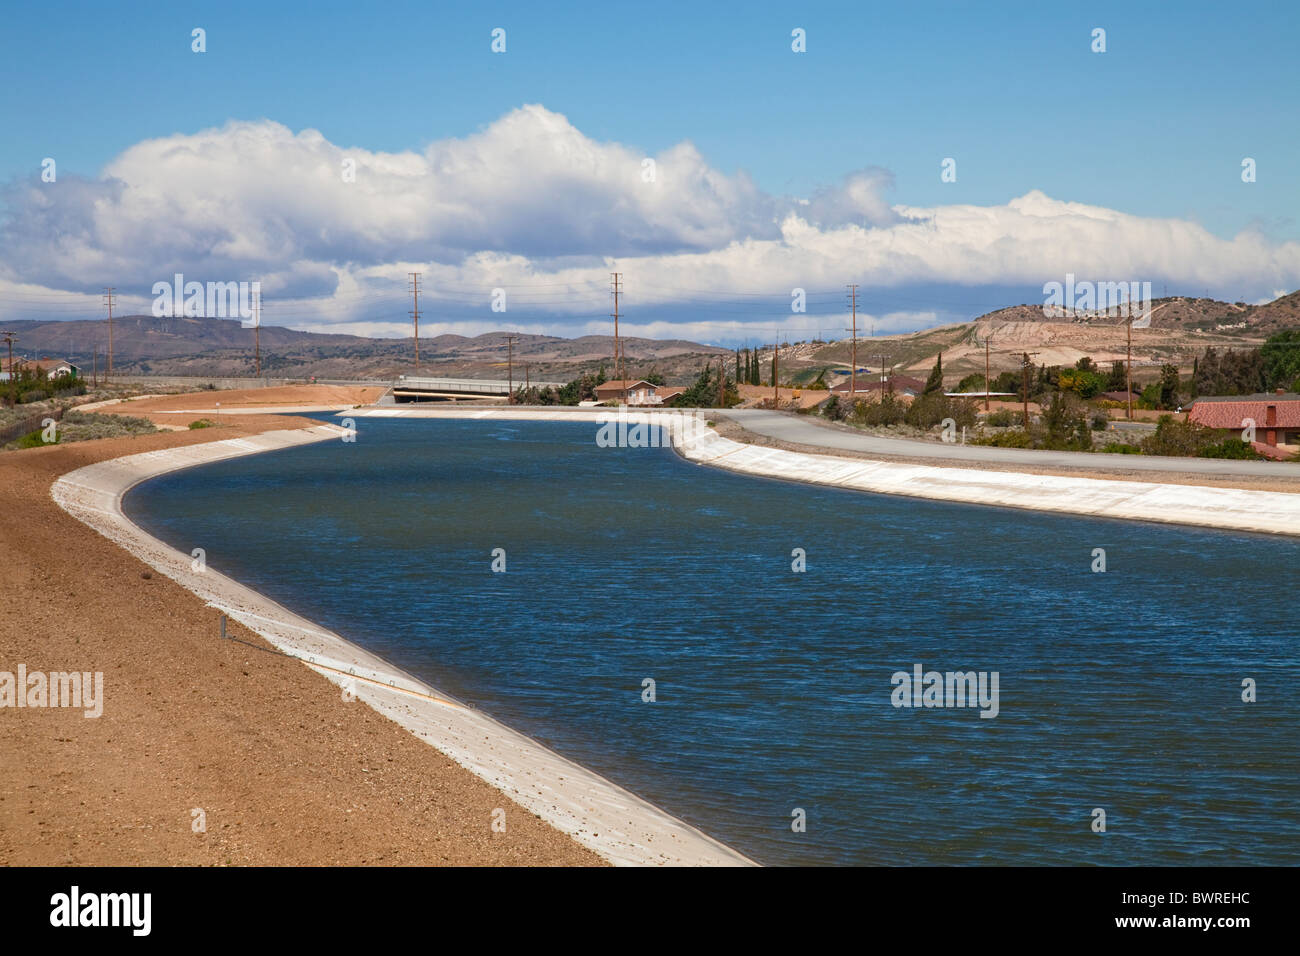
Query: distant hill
(147, 345)
(147, 337)
(1181, 328)
(1181, 312)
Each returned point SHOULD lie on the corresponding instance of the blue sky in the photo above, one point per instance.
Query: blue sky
(1155, 127)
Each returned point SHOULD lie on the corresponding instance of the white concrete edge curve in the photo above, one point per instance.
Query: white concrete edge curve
(616, 824)
(1226, 509)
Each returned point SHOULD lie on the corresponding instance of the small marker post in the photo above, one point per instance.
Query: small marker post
(223, 627)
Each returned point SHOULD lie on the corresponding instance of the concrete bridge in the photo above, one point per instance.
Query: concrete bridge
(414, 388)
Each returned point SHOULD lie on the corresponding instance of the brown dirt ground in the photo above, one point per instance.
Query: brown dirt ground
(202, 404)
(286, 770)
(753, 395)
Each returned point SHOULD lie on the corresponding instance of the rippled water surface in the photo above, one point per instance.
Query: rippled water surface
(1118, 690)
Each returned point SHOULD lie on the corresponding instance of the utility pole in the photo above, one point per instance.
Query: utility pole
(94, 367)
(1024, 375)
(618, 352)
(510, 364)
(415, 314)
(987, 387)
(1026, 365)
(108, 298)
(257, 331)
(776, 388)
(853, 372)
(9, 338)
(722, 383)
(1128, 366)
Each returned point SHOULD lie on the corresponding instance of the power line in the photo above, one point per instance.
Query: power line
(618, 352)
(9, 338)
(108, 298)
(853, 372)
(510, 363)
(257, 331)
(415, 314)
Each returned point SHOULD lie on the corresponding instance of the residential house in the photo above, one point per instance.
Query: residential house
(1276, 417)
(50, 367)
(637, 392)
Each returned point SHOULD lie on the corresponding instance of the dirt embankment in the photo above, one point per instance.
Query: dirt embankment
(282, 769)
(226, 405)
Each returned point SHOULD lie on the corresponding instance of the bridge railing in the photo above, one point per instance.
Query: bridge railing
(468, 386)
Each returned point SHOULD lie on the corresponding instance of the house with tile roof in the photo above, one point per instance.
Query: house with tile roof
(1275, 417)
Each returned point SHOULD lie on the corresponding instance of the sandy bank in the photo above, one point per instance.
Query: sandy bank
(283, 770)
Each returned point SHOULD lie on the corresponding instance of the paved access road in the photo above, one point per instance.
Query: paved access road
(806, 430)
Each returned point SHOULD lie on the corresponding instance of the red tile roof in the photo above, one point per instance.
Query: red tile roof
(618, 384)
(1233, 412)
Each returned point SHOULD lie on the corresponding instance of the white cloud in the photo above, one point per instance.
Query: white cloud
(532, 204)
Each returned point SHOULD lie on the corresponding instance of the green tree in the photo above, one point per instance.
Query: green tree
(889, 410)
(1007, 382)
(1065, 423)
(935, 382)
(1168, 386)
(703, 393)
(1083, 382)
(1281, 355)
(929, 410)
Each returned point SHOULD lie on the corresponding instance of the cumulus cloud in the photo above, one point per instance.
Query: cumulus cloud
(255, 196)
(858, 200)
(532, 204)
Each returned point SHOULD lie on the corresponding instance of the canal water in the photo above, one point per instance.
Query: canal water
(773, 725)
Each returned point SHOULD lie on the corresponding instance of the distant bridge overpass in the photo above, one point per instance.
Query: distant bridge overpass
(414, 388)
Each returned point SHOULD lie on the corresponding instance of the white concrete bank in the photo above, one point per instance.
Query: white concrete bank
(619, 826)
(1224, 508)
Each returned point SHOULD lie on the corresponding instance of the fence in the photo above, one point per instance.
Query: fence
(23, 426)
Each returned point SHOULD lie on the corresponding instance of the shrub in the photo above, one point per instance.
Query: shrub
(84, 426)
(1065, 424)
(1189, 440)
(1099, 421)
(929, 410)
(1119, 448)
(887, 411)
(35, 440)
(1083, 382)
(1002, 418)
(1017, 438)
(201, 423)
(1231, 448)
